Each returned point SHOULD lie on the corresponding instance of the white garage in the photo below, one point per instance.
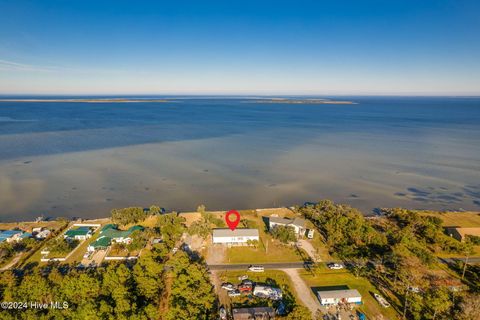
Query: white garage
(235, 237)
(339, 296)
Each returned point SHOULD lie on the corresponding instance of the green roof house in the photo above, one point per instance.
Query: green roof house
(79, 233)
(110, 233)
(101, 243)
(108, 226)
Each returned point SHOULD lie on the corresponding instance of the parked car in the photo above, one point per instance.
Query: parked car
(228, 286)
(234, 293)
(256, 268)
(247, 282)
(334, 266)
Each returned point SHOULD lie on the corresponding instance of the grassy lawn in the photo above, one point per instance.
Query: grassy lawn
(276, 253)
(28, 226)
(476, 253)
(341, 278)
(275, 278)
(460, 219)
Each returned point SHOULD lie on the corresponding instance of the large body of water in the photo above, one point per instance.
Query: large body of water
(83, 159)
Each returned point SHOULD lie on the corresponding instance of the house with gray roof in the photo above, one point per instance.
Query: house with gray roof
(239, 236)
(298, 224)
(257, 313)
(334, 297)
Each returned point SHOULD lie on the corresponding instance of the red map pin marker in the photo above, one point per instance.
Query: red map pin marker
(232, 224)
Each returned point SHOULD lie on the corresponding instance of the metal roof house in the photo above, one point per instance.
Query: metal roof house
(79, 233)
(254, 313)
(298, 224)
(109, 233)
(101, 243)
(334, 297)
(234, 237)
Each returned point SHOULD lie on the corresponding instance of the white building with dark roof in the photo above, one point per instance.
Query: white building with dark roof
(334, 297)
(297, 224)
(234, 237)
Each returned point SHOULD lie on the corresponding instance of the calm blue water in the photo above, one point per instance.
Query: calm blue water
(82, 159)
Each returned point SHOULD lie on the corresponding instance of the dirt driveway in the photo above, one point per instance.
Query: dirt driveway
(312, 253)
(222, 294)
(96, 258)
(303, 291)
(216, 254)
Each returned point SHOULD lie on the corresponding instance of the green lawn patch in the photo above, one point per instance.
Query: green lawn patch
(264, 253)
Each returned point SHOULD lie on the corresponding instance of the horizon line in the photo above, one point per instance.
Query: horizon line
(243, 95)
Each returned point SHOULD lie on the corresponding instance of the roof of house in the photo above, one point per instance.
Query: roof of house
(9, 233)
(135, 228)
(108, 226)
(26, 235)
(299, 222)
(115, 233)
(225, 232)
(101, 242)
(468, 231)
(4, 235)
(253, 311)
(80, 231)
(339, 294)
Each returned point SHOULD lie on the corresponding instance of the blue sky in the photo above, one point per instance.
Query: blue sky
(240, 47)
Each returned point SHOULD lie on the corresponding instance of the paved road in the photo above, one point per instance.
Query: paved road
(244, 266)
(452, 260)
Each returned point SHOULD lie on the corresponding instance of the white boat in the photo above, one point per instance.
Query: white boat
(383, 302)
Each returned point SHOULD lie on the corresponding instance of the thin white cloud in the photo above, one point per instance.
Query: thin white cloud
(15, 66)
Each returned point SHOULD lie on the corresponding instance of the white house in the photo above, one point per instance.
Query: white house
(334, 297)
(297, 224)
(42, 234)
(235, 237)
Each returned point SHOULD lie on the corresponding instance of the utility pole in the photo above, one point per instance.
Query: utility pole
(465, 266)
(405, 306)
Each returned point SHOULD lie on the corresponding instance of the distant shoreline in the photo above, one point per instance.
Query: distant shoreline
(301, 101)
(107, 100)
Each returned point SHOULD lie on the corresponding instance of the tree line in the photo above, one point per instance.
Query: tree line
(398, 251)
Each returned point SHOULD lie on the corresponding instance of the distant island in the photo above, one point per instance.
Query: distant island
(102, 100)
(301, 101)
